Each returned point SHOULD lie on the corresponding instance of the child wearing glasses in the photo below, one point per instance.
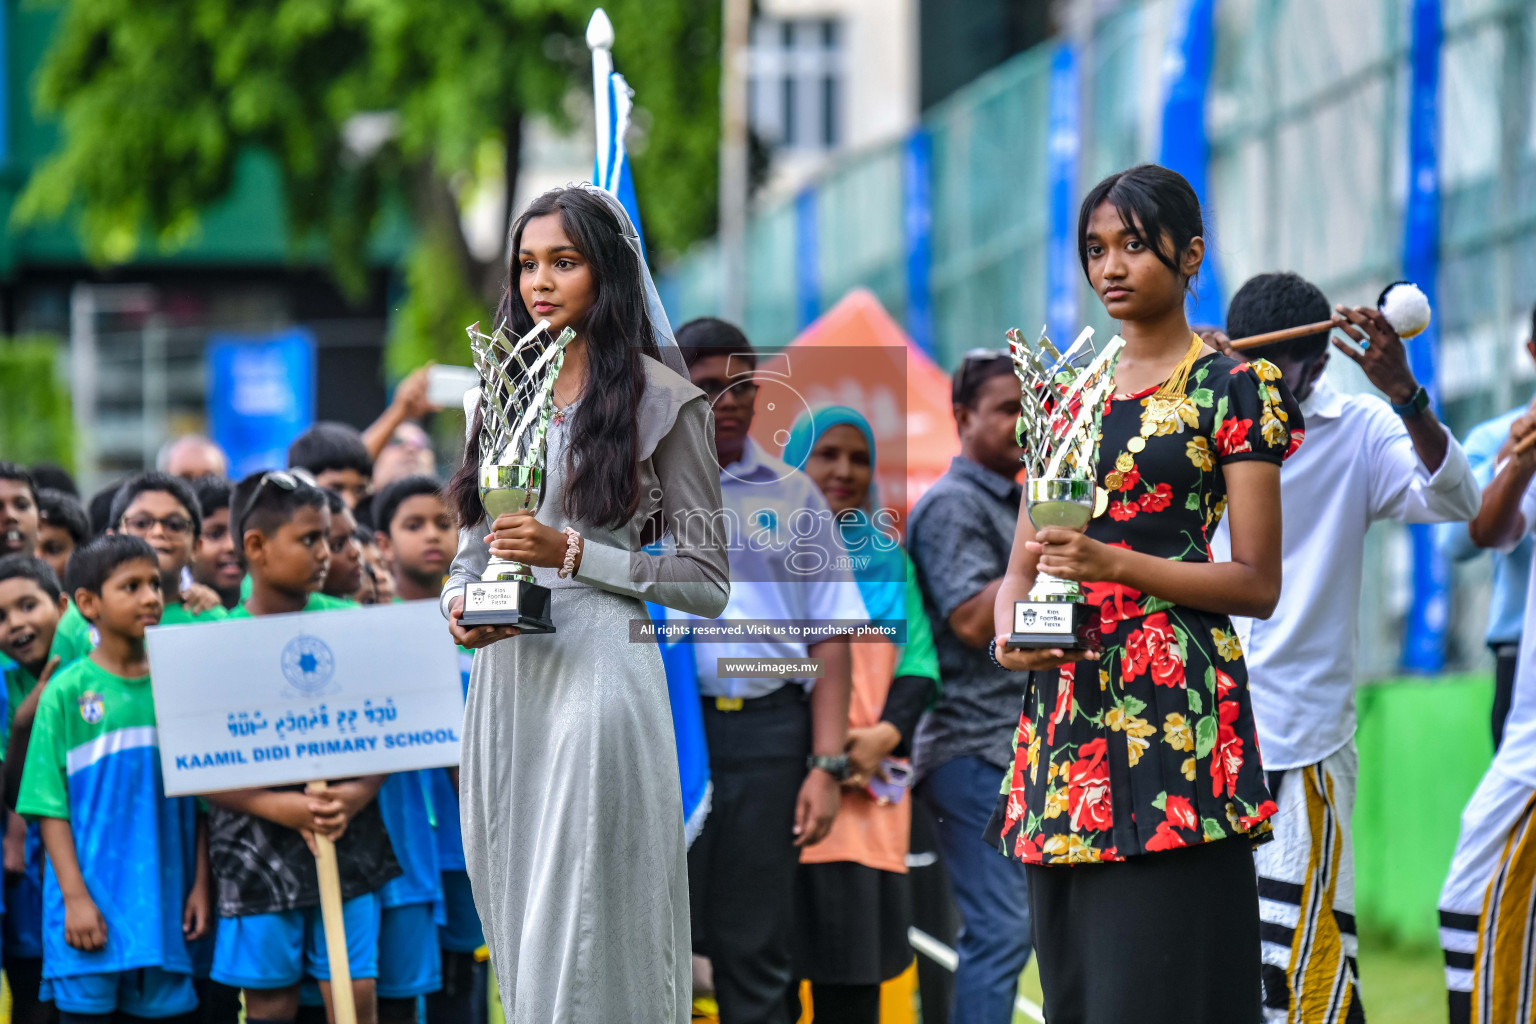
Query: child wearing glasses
(163, 511)
(268, 892)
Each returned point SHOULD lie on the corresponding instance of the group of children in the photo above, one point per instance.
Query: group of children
(122, 902)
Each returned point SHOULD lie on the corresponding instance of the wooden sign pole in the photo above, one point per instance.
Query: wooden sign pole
(335, 926)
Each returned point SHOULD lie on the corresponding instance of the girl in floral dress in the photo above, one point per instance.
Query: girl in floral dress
(1136, 792)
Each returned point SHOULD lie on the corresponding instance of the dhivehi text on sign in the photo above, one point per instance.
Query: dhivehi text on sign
(283, 699)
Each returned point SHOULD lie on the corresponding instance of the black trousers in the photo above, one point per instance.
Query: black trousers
(741, 869)
(1163, 938)
(1504, 656)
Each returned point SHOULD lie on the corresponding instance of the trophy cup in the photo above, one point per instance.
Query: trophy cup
(1061, 418)
(517, 385)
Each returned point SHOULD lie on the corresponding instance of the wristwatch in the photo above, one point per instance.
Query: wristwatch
(1415, 405)
(837, 767)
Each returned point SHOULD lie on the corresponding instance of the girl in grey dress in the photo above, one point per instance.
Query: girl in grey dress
(571, 804)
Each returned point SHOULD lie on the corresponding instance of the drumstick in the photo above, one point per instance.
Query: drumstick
(1286, 335)
(1524, 444)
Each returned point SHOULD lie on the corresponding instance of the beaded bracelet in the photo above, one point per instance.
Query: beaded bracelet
(572, 547)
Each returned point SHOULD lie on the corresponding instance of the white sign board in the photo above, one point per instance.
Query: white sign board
(281, 699)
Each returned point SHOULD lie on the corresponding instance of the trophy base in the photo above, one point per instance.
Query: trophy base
(507, 603)
(1063, 625)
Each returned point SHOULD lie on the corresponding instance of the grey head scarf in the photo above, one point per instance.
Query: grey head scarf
(666, 344)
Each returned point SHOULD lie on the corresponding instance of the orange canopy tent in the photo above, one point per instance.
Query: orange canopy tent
(857, 355)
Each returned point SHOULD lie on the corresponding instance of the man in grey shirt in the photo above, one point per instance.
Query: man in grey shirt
(959, 536)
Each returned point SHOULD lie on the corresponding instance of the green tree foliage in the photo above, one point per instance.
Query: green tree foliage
(157, 100)
(35, 423)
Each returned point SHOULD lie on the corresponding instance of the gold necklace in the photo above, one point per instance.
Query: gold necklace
(1165, 401)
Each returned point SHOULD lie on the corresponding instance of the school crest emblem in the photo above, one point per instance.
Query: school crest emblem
(91, 707)
(308, 664)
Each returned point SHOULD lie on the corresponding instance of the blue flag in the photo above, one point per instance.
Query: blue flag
(614, 100)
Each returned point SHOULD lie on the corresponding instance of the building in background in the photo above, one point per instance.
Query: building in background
(146, 323)
(825, 77)
(963, 39)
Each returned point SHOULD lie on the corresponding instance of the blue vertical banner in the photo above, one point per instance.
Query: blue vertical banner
(1185, 148)
(917, 224)
(1063, 146)
(807, 259)
(1424, 634)
(261, 395)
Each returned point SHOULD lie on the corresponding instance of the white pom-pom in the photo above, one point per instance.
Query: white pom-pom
(1406, 308)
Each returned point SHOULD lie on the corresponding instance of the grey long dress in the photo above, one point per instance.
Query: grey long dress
(571, 805)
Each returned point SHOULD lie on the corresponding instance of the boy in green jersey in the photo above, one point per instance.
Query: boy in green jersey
(127, 886)
(163, 511)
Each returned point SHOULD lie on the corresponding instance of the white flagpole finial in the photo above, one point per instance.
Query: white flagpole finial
(599, 31)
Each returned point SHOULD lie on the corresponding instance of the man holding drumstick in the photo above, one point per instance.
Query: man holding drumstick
(1364, 460)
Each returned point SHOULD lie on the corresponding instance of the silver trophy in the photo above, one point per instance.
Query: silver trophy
(517, 386)
(1060, 423)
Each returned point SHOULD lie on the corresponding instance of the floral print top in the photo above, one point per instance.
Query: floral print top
(1153, 747)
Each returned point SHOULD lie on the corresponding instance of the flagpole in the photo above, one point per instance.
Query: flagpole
(600, 42)
(736, 25)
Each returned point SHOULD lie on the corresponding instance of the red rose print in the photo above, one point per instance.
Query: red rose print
(1136, 658)
(1016, 808)
(1122, 510)
(1130, 479)
(1088, 788)
(1297, 436)
(1265, 810)
(1026, 849)
(1154, 646)
(1063, 704)
(1156, 500)
(1180, 813)
(1227, 758)
(1232, 437)
(1165, 838)
(1224, 684)
(1239, 368)
(1115, 602)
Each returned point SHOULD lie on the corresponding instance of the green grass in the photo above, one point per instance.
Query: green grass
(1399, 985)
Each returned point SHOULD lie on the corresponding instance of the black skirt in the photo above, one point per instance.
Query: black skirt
(1162, 937)
(851, 924)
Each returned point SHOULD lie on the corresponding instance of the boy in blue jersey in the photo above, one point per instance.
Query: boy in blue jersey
(165, 511)
(125, 887)
(31, 606)
(416, 539)
(270, 932)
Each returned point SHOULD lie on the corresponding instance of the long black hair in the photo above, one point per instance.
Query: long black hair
(1152, 201)
(602, 462)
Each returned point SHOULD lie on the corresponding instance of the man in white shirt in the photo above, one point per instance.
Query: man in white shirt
(776, 742)
(1363, 461)
(1487, 928)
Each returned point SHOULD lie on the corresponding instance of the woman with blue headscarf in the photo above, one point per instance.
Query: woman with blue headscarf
(855, 903)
